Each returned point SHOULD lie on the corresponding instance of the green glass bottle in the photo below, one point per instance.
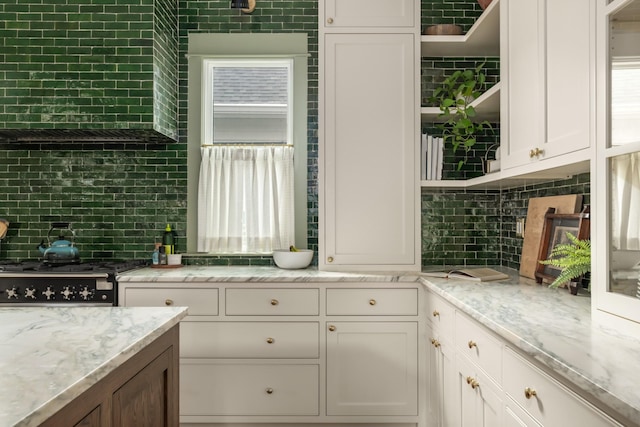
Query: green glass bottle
(168, 240)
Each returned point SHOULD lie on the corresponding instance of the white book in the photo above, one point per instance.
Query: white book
(440, 160)
(429, 158)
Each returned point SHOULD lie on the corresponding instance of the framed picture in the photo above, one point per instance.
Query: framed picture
(554, 232)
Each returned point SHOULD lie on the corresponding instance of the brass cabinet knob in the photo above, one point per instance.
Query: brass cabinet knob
(329, 20)
(330, 259)
(435, 342)
(436, 313)
(269, 390)
(270, 340)
(168, 302)
(536, 152)
(332, 328)
(474, 383)
(275, 302)
(529, 393)
(372, 302)
(472, 344)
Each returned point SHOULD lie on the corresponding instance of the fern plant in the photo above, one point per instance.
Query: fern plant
(573, 258)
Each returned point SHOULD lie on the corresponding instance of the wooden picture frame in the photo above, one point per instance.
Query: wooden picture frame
(554, 231)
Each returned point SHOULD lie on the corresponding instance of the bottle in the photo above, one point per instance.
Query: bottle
(167, 240)
(155, 257)
(162, 257)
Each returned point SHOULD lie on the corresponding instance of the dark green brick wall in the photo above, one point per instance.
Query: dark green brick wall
(119, 196)
(88, 64)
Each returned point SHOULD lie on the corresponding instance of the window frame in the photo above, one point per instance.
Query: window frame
(292, 46)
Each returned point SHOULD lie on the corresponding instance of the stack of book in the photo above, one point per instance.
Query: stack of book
(431, 157)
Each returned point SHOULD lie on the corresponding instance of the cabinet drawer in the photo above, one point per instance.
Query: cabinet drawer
(545, 399)
(255, 389)
(370, 13)
(272, 302)
(201, 302)
(479, 346)
(248, 340)
(372, 302)
(441, 315)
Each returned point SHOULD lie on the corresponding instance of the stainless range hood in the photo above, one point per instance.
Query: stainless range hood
(87, 76)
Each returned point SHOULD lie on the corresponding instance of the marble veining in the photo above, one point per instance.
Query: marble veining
(50, 355)
(553, 327)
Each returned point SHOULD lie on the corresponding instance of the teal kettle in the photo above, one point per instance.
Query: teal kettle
(61, 250)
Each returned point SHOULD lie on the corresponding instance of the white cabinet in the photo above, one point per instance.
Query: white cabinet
(284, 353)
(479, 400)
(441, 379)
(547, 73)
(368, 145)
(363, 14)
(372, 368)
(546, 400)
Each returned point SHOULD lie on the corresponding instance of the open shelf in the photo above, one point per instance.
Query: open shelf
(487, 107)
(482, 39)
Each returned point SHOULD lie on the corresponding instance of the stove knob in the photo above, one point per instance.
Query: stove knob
(12, 293)
(30, 293)
(49, 293)
(68, 293)
(86, 294)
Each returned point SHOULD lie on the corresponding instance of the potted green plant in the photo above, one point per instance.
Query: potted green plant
(573, 258)
(454, 97)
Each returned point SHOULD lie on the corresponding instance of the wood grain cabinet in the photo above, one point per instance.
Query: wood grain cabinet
(142, 392)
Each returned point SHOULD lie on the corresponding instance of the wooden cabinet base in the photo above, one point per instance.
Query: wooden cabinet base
(142, 392)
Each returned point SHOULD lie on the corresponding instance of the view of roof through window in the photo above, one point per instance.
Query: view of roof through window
(251, 102)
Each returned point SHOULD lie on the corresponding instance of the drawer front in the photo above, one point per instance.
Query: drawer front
(546, 400)
(372, 302)
(479, 346)
(201, 302)
(441, 315)
(255, 389)
(272, 302)
(249, 340)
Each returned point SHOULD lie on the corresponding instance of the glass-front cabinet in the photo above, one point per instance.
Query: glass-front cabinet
(616, 249)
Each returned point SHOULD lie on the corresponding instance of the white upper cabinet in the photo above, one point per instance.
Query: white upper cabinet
(341, 14)
(548, 77)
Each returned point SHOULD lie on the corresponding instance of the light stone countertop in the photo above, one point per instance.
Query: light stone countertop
(50, 355)
(550, 325)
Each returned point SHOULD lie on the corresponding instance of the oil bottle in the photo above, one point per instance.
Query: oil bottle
(168, 241)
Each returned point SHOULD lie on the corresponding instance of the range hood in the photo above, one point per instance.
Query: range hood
(85, 74)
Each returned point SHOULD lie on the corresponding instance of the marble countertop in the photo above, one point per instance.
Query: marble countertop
(50, 355)
(554, 328)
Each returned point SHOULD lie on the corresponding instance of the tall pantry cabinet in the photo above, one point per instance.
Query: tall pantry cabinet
(368, 134)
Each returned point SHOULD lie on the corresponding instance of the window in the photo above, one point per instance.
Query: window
(247, 116)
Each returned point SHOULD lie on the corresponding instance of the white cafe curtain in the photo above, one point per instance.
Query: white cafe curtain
(245, 199)
(625, 201)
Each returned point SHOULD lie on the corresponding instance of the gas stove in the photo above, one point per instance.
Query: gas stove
(86, 283)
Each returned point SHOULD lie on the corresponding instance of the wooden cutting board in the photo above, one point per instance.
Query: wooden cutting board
(536, 209)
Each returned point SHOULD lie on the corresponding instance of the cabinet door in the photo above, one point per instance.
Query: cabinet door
(441, 379)
(369, 13)
(369, 139)
(522, 76)
(478, 400)
(372, 368)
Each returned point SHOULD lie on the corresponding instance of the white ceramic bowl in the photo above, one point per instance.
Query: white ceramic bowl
(284, 258)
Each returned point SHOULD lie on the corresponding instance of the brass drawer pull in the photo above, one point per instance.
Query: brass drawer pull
(275, 302)
(332, 328)
(529, 393)
(270, 340)
(168, 302)
(269, 390)
(436, 313)
(372, 302)
(435, 342)
(472, 344)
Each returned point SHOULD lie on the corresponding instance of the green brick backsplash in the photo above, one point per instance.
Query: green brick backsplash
(88, 64)
(120, 196)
